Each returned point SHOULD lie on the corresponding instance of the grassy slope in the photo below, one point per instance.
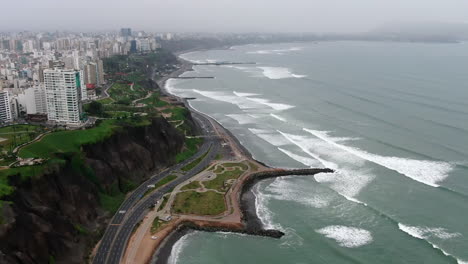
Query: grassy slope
(67, 141)
(218, 182)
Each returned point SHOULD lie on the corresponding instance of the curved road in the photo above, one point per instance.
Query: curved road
(132, 210)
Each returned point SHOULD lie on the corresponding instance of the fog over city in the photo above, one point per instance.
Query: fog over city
(227, 15)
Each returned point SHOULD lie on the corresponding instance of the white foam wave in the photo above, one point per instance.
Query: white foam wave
(177, 249)
(426, 233)
(275, 106)
(244, 94)
(263, 213)
(423, 232)
(261, 131)
(243, 102)
(304, 160)
(275, 73)
(286, 190)
(424, 171)
(349, 178)
(278, 117)
(350, 237)
(274, 139)
(170, 86)
(242, 119)
(275, 51)
(253, 71)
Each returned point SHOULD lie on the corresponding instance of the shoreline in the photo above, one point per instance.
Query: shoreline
(250, 223)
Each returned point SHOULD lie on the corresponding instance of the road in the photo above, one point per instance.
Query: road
(114, 241)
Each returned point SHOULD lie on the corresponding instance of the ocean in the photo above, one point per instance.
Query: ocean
(390, 118)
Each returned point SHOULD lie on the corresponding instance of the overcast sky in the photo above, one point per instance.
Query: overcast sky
(225, 15)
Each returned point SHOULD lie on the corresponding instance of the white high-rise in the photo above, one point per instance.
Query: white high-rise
(63, 95)
(5, 108)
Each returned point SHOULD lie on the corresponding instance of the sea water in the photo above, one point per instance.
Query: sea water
(390, 118)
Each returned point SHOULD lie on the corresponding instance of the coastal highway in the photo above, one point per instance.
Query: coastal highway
(132, 210)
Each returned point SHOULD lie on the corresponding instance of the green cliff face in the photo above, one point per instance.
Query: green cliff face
(60, 213)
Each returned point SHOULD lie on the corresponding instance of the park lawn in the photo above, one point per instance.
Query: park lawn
(178, 113)
(206, 203)
(16, 135)
(67, 141)
(191, 145)
(192, 185)
(118, 114)
(218, 182)
(219, 169)
(153, 101)
(121, 92)
(106, 101)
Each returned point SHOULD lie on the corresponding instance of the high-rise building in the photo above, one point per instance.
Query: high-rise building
(94, 73)
(63, 95)
(33, 100)
(5, 108)
(126, 32)
(133, 46)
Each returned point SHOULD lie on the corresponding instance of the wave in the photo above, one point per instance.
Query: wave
(424, 171)
(346, 236)
(275, 73)
(244, 94)
(275, 51)
(243, 102)
(170, 86)
(273, 138)
(275, 106)
(261, 208)
(301, 159)
(349, 178)
(177, 248)
(278, 117)
(253, 71)
(425, 233)
(286, 190)
(242, 119)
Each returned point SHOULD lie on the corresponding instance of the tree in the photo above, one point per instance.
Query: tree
(95, 108)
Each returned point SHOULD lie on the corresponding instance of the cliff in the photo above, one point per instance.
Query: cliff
(57, 217)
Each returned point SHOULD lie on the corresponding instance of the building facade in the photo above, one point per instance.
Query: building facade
(63, 95)
(5, 107)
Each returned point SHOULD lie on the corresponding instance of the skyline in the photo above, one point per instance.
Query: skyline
(227, 16)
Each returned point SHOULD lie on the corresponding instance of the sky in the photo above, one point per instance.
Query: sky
(341, 16)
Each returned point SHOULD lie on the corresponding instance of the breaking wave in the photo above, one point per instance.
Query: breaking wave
(345, 236)
(276, 73)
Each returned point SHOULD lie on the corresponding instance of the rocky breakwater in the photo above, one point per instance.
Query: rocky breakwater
(56, 217)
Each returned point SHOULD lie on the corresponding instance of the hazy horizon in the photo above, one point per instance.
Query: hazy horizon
(227, 16)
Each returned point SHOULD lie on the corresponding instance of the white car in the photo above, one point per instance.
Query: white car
(154, 237)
